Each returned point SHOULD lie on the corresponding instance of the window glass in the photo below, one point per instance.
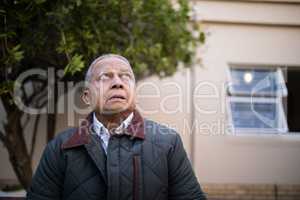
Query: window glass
(254, 115)
(254, 82)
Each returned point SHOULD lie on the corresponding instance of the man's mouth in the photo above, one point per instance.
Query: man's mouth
(117, 97)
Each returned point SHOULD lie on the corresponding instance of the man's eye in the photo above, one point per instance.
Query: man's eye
(104, 77)
(126, 76)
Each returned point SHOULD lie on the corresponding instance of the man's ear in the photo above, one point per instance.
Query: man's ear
(85, 96)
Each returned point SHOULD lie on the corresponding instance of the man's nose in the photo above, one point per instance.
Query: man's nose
(117, 82)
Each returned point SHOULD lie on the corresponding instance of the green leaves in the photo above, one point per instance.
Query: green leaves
(15, 55)
(202, 37)
(76, 64)
(152, 34)
(6, 87)
(39, 1)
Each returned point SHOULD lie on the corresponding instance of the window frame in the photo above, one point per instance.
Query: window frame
(263, 98)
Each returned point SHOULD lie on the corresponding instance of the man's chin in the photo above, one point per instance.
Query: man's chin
(114, 110)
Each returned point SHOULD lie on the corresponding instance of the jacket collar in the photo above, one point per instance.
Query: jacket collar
(83, 133)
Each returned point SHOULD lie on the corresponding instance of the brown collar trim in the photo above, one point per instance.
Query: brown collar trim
(82, 134)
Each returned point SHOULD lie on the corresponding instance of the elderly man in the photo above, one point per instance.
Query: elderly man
(115, 154)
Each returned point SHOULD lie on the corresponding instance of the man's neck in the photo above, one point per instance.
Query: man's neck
(111, 121)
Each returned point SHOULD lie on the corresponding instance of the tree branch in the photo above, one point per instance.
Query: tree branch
(2, 137)
(34, 133)
(27, 119)
(36, 93)
(41, 100)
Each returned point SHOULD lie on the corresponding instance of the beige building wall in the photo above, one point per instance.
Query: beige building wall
(246, 33)
(254, 158)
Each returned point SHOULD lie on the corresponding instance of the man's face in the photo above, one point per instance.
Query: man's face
(112, 86)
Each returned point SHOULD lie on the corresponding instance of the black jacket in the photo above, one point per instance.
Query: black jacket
(146, 162)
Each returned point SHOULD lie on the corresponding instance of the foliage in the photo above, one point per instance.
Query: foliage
(69, 34)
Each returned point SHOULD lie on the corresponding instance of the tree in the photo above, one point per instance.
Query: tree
(155, 35)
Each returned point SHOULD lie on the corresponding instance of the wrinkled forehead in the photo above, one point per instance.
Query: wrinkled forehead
(108, 62)
(112, 63)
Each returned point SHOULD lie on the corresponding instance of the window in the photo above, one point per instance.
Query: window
(255, 100)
